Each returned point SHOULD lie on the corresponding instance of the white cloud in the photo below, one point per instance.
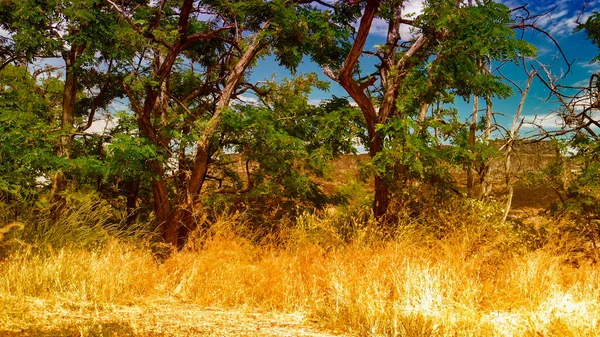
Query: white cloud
(104, 125)
(411, 9)
(551, 18)
(585, 82)
(380, 27)
(549, 121)
(248, 100)
(591, 68)
(564, 25)
(554, 121)
(315, 101)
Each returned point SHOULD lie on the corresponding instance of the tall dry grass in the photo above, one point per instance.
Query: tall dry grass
(476, 278)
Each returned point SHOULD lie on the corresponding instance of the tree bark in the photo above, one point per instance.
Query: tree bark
(179, 223)
(484, 180)
(393, 70)
(381, 200)
(132, 190)
(509, 146)
(67, 120)
(472, 138)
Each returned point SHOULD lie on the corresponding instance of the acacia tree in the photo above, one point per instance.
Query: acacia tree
(441, 59)
(217, 42)
(76, 32)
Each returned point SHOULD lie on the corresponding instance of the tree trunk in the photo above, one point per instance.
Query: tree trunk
(67, 120)
(484, 180)
(160, 192)
(508, 179)
(179, 223)
(181, 219)
(382, 190)
(472, 137)
(132, 190)
(382, 197)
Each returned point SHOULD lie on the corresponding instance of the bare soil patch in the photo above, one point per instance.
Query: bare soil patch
(37, 317)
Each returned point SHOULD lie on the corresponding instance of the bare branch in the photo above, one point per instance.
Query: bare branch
(556, 44)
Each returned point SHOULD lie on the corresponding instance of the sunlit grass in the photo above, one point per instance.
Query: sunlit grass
(474, 281)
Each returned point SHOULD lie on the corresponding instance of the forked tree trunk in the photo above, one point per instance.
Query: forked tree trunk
(381, 200)
(509, 146)
(392, 71)
(179, 222)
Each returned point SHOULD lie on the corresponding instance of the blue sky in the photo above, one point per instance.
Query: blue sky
(560, 23)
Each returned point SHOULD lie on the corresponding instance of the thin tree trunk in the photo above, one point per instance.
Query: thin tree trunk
(508, 203)
(472, 138)
(132, 190)
(485, 166)
(514, 132)
(66, 125)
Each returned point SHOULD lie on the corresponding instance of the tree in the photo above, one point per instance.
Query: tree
(77, 32)
(180, 111)
(575, 175)
(441, 61)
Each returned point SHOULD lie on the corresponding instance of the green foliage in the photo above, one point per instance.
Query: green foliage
(592, 30)
(128, 157)
(575, 178)
(46, 28)
(468, 36)
(26, 133)
(285, 143)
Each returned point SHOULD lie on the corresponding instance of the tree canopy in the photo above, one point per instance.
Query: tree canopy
(191, 129)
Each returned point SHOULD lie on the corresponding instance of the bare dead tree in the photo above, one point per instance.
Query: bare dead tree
(508, 146)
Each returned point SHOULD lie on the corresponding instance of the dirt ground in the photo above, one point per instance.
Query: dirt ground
(36, 317)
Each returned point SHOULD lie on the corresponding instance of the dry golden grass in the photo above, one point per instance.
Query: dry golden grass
(469, 283)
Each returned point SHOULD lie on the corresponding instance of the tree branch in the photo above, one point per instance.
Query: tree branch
(146, 34)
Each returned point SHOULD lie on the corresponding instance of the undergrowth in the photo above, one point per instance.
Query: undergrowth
(452, 272)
